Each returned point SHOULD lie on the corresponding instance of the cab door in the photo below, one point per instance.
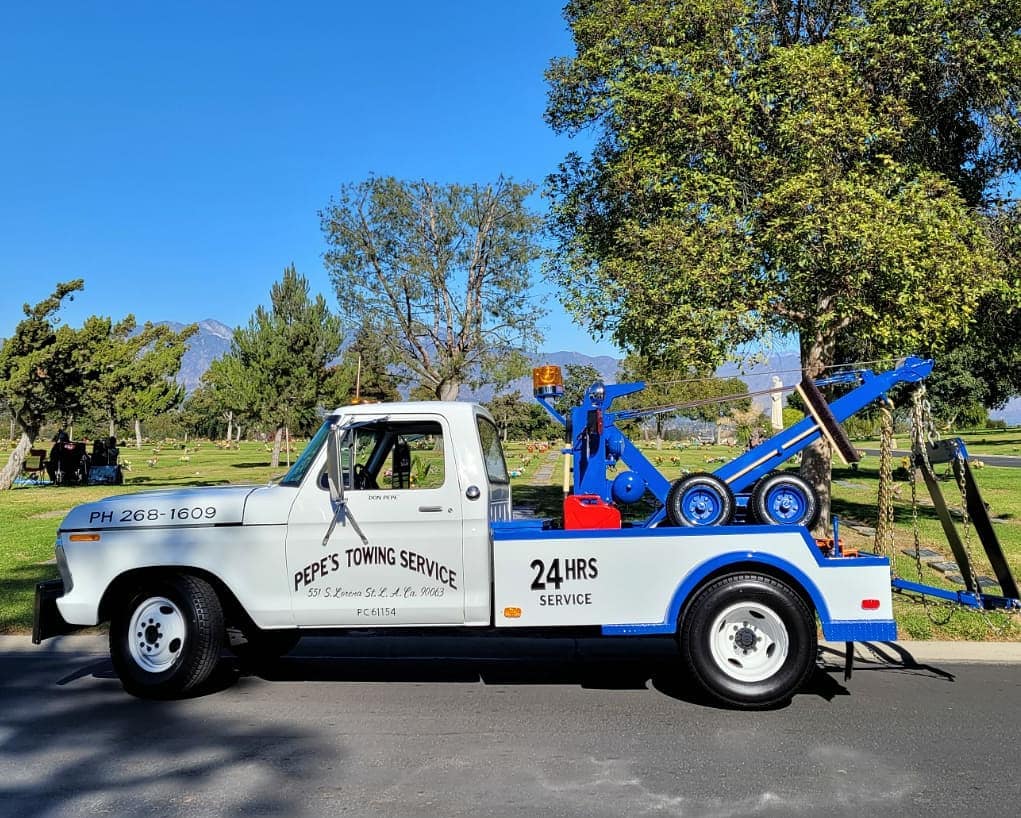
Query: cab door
(401, 562)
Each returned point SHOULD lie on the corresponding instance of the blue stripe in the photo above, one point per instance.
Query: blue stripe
(638, 630)
(521, 530)
(876, 630)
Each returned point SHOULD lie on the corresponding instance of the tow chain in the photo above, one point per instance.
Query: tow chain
(923, 431)
(885, 543)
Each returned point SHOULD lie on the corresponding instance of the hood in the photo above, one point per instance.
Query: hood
(220, 505)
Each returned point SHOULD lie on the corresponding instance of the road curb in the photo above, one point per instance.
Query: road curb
(910, 654)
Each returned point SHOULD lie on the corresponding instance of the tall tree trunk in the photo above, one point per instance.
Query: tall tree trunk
(448, 390)
(275, 461)
(229, 415)
(113, 427)
(138, 433)
(817, 459)
(17, 458)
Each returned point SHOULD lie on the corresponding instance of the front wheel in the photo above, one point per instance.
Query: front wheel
(749, 640)
(165, 636)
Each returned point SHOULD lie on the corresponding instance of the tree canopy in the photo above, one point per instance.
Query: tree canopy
(41, 372)
(133, 369)
(277, 365)
(441, 273)
(809, 168)
(669, 384)
(363, 372)
(818, 169)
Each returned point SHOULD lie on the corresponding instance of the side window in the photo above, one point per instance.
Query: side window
(426, 467)
(402, 456)
(492, 452)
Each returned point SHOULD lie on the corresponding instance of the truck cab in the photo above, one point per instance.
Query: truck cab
(419, 485)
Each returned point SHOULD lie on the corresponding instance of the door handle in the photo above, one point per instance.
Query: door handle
(430, 508)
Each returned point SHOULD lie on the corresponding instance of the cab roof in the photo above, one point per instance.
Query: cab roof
(454, 410)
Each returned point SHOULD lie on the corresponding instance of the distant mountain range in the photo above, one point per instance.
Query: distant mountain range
(213, 340)
(210, 342)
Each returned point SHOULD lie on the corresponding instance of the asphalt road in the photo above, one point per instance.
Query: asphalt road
(568, 731)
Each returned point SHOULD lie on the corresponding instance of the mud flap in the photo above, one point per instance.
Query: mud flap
(48, 622)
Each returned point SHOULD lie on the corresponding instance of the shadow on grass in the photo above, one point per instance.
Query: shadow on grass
(173, 482)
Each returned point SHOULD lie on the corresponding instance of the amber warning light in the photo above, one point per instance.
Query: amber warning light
(547, 382)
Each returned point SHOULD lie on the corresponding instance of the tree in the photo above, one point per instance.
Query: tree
(818, 169)
(201, 413)
(441, 274)
(41, 372)
(233, 390)
(363, 371)
(981, 368)
(135, 370)
(577, 378)
(279, 361)
(668, 384)
(509, 411)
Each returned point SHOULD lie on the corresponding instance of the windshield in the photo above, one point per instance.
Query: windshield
(301, 466)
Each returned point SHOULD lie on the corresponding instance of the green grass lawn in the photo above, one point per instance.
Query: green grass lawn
(985, 441)
(29, 516)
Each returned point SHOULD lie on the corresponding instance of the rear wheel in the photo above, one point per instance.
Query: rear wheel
(165, 636)
(749, 640)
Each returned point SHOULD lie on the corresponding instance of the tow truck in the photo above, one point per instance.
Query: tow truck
(399, 516)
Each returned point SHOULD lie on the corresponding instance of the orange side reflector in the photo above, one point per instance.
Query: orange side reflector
(84, 538)
(512, 613)
(870, 604)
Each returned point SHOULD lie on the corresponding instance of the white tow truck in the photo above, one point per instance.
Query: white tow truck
(399, 516)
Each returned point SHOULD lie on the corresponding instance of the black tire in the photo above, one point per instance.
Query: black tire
(783, 498)
(254, 645)
(166, 635)
(749, 641)
(699, 500)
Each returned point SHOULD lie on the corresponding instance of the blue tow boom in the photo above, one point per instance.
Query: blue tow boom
(597, 443)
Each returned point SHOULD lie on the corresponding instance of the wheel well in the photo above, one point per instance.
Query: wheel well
(749, 567)
(126, 582)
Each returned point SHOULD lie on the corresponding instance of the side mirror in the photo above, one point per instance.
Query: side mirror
(334, 464)
(335, 477)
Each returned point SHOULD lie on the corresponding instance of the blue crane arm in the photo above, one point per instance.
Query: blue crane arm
(597, 444)
(743, 471)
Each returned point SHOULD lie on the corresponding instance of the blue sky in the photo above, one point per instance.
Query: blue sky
(175, 155)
